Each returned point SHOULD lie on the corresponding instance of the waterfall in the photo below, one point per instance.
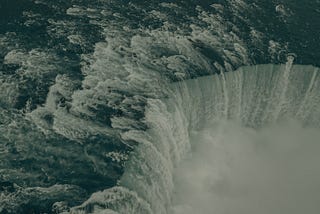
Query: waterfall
(253, 96)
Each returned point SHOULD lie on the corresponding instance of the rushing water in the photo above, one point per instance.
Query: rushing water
(241, 165)
(107, 106)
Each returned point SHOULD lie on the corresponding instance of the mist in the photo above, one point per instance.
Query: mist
(232, 169)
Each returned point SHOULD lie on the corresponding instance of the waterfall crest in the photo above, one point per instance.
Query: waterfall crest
(254, 96)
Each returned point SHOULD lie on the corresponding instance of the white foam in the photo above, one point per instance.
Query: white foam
(131, 70)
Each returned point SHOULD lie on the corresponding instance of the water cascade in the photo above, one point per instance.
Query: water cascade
(253, 97)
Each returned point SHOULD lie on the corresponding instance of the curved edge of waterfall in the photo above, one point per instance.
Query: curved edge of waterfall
(253, 95)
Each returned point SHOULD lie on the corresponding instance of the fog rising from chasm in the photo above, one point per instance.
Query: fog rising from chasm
(237, 170)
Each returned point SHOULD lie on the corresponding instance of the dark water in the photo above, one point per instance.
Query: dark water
(75, 76)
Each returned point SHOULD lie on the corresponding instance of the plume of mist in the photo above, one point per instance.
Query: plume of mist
(237, 170)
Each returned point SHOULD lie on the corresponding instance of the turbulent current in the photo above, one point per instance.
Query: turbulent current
(159, 107)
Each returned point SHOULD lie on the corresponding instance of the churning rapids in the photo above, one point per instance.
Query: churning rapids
(240, 142)
(159, 107)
